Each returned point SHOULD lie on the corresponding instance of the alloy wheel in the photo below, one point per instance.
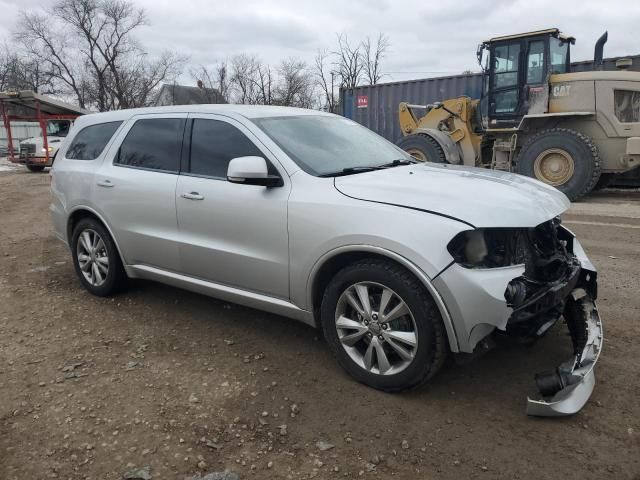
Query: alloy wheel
(93, 257)
(376, 328)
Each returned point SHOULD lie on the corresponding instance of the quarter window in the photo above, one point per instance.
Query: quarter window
(89, 143)
(153, 143)
(214, 144)
(627, 106)
(559, 51)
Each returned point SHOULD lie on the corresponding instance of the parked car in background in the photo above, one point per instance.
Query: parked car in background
(311, 216)
(33, 152)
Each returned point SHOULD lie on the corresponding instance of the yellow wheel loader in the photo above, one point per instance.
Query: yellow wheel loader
(535, 117)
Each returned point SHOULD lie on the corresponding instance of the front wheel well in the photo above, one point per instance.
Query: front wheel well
(333, 265)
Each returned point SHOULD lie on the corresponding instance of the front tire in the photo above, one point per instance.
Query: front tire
(35, 168)
(96, 258)
(382, 326)
(422, 147)
(563, 158)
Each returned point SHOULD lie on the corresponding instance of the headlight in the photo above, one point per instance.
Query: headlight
(490, 247)
(539, 247)
(44, 149)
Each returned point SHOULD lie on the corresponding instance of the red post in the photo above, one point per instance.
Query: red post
(43, 127)
(7, 126)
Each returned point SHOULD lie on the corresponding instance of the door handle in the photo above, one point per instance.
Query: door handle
(192, 196)
(105, 183)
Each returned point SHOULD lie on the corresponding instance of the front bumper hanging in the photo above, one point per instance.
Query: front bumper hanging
(569, 386)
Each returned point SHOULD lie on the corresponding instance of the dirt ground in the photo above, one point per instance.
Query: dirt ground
(184, 384)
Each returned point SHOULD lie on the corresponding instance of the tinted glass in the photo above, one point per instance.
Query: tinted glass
(153, 143)
(324, 144)
(627, 106)
(559, 51)
(506, 59)
(506, 102)
(535, 62)
(214, 144)
(89, 143)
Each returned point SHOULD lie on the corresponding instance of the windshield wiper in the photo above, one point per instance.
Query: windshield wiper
(351, 170)
(398, 162)
(370, 168)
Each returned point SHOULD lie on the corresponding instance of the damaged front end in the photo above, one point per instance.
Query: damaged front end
(527, 279)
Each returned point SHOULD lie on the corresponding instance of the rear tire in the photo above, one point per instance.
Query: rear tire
(422, 147)
(96, 258)
(421, 322)
(563, 158)
(35, 168)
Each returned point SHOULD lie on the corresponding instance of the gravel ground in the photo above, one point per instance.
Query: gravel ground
(162, 383)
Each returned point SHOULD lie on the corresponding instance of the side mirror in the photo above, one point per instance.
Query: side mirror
(252, 171)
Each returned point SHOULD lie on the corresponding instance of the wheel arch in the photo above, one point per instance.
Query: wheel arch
(80, 212)
(331, 262)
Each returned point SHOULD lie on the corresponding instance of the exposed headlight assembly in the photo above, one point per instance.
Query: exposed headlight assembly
(490, 247)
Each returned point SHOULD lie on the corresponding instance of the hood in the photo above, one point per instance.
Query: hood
(477, 196)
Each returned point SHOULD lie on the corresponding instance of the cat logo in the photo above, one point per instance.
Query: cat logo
(561, 91)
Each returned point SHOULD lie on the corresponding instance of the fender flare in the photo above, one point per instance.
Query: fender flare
(409, 265)
(106, 225)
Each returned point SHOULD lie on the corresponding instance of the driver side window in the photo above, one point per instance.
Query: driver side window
(214, 144)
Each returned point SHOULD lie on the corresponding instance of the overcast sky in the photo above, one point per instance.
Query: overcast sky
(428, 38)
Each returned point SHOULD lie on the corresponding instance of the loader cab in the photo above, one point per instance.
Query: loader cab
(516, 75)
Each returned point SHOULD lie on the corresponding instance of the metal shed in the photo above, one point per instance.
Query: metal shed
(29, 106)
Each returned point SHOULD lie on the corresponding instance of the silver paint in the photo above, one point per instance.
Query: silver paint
(263, 247)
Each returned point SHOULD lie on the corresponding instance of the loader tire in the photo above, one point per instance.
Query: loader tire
(423, 148)
(563, 158)
(604, 182)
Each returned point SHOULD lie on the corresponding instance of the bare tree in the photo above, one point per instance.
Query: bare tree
(348, 62)
(18, 73)
(243, 79)
(295, 86)
(222, 80)
(325, 80)
(372, 55)
(88, 46)
(51, 49)
(265, 83)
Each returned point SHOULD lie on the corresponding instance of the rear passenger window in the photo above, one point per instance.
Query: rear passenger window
(153, 143)
(89, 143)
(214, 144)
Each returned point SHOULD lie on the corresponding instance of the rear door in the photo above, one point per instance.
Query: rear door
(135, 189)
(230, 233)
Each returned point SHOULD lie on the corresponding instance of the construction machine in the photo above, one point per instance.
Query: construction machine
(571, 130)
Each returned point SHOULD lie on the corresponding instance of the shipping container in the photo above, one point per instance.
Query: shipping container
(376, 106)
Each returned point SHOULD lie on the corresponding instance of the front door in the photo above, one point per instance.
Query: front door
(135, 189)
(230, 233)
(504, 84)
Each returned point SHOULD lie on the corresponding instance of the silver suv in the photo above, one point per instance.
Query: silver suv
(311, 216)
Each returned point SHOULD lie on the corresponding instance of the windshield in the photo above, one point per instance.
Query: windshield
(58, 128)
(323, 145)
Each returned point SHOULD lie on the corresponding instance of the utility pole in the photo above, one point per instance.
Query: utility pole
(331, 106)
